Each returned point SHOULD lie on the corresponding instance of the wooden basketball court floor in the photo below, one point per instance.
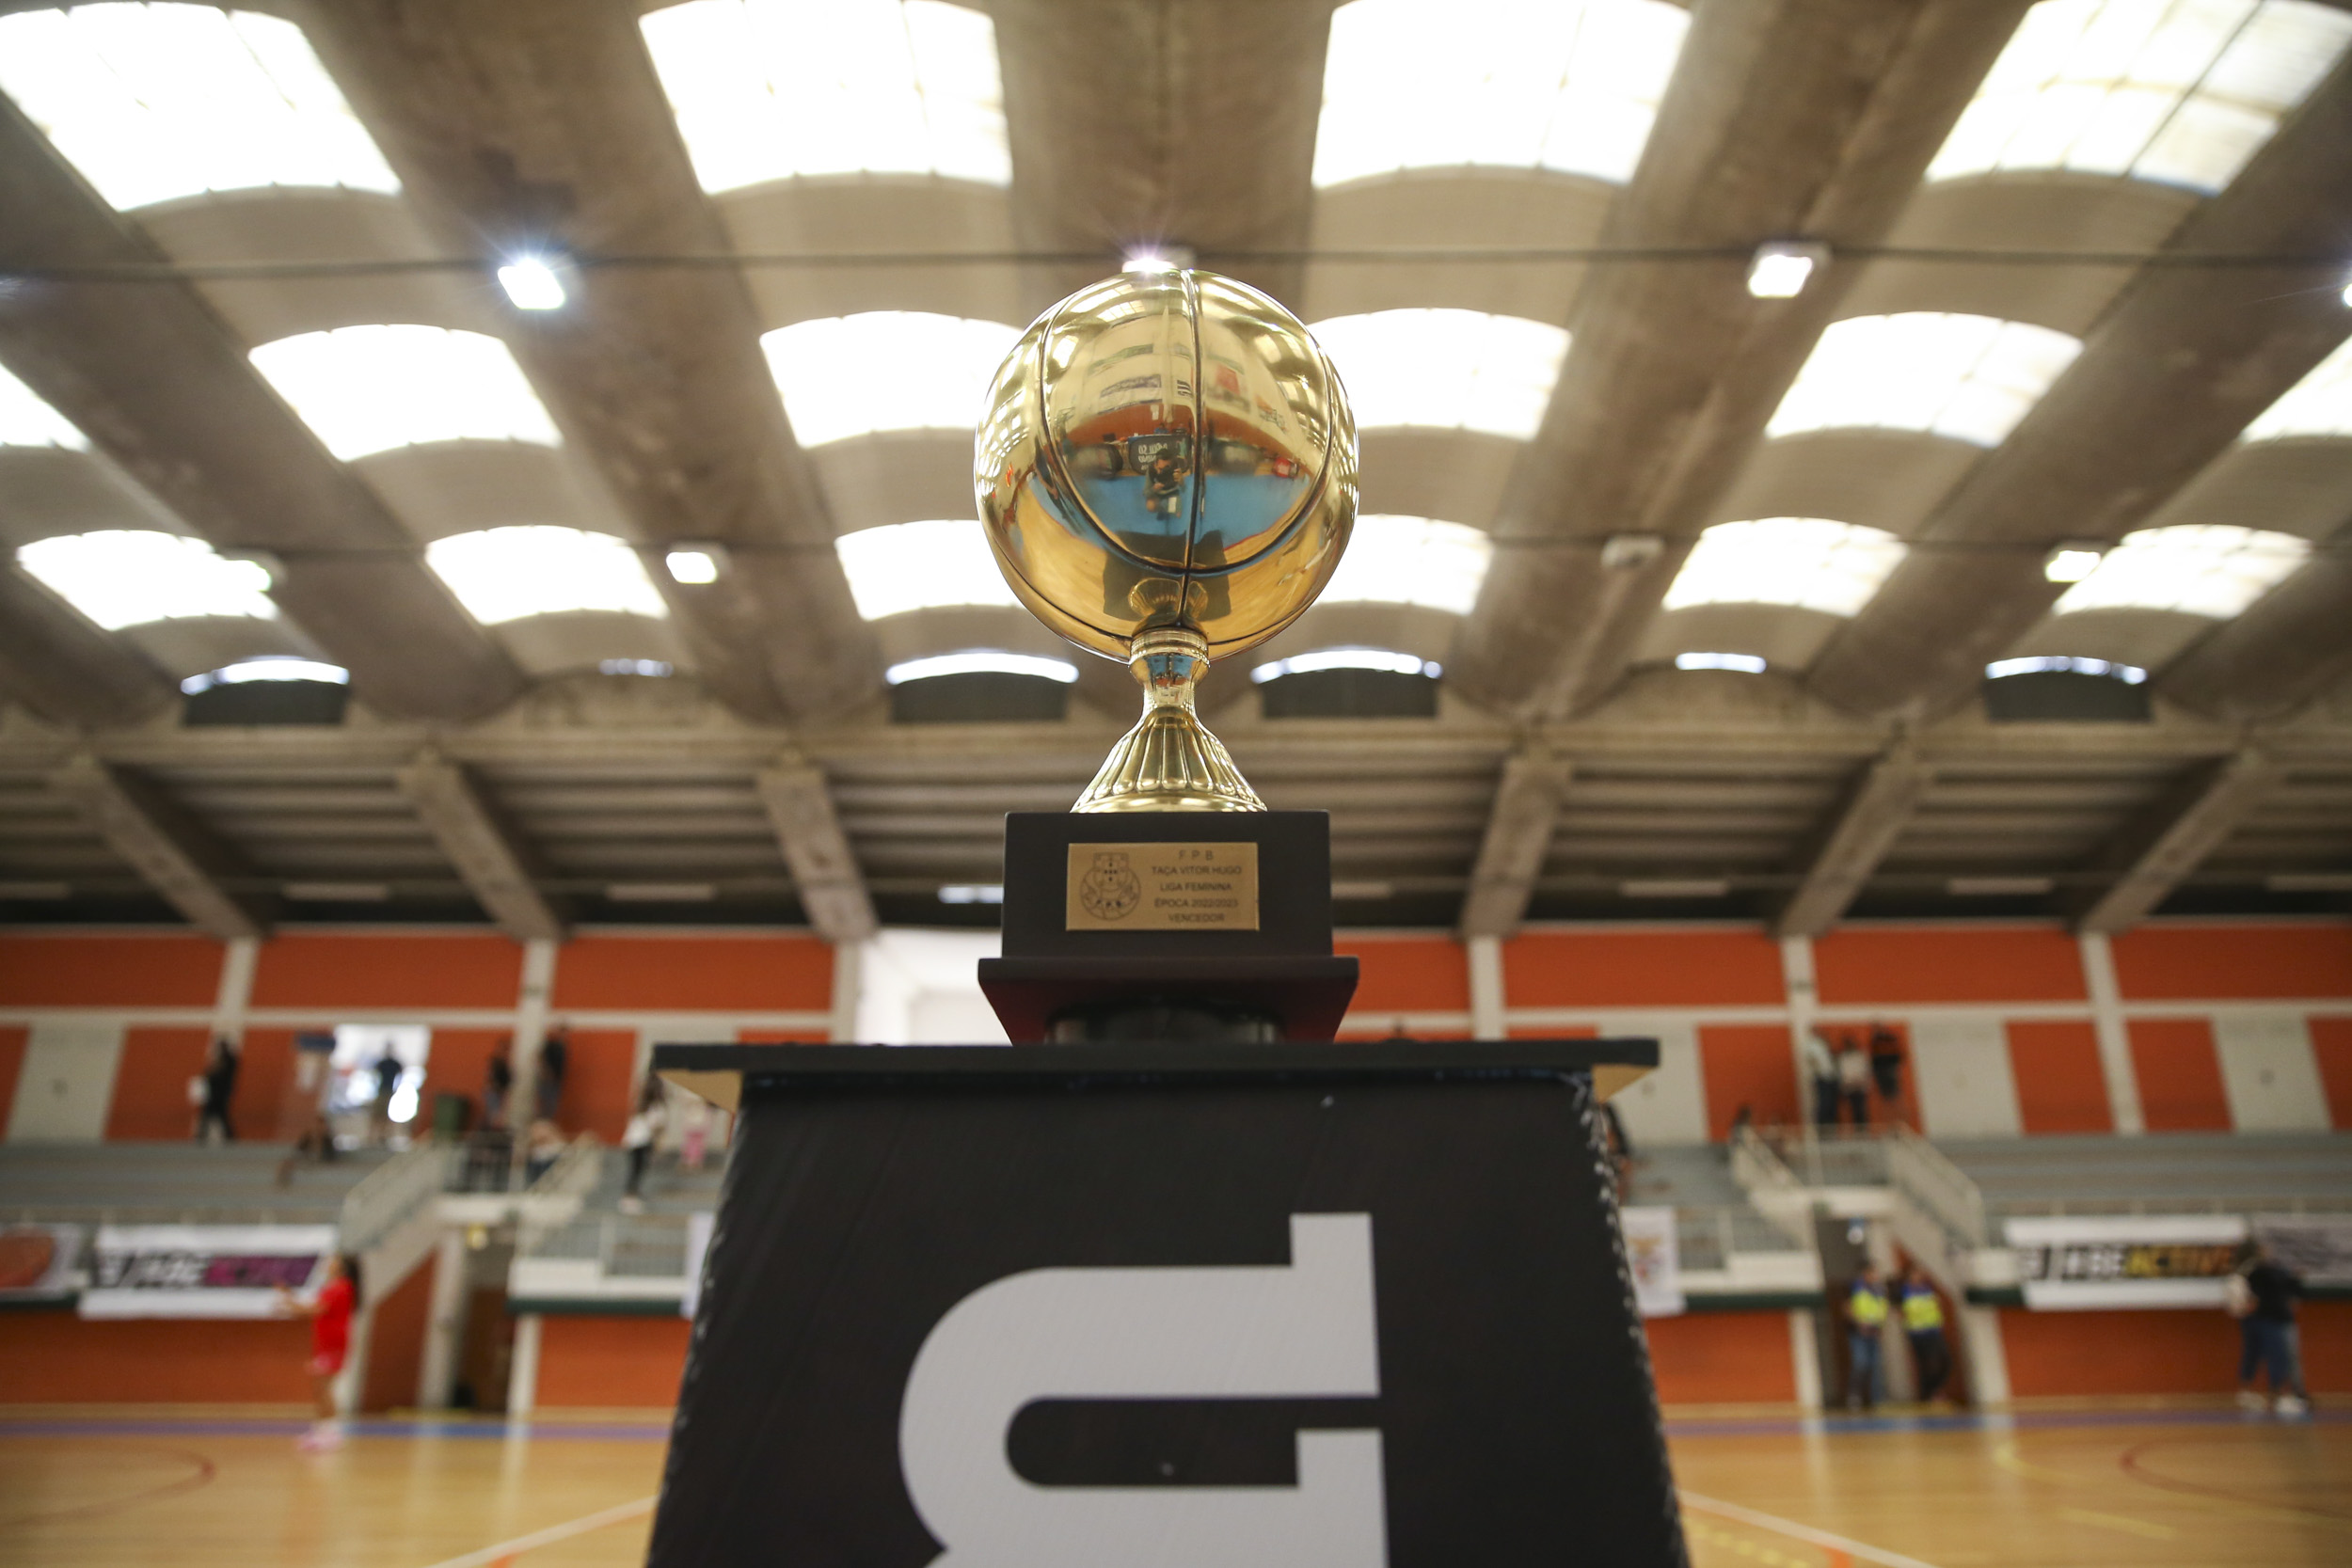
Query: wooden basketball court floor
(2183, 1486)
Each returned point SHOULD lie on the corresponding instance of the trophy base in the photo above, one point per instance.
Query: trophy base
(1169, 762)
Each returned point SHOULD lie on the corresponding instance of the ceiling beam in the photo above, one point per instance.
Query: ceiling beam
(490, 858)
(1877, 807)
(158, 383)
(2285, 650)
(1785, 119)
(539, 124)
(1518, 833)
(1135, 122)
(2172, 837)
(825, 872)
(171, 851)
(58, 666)
(2166, 381)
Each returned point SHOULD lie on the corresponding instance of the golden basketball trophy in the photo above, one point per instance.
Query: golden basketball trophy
(1167, 472)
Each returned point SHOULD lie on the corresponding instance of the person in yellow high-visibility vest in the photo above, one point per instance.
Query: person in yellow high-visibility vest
(1865, 1315)
(1923, 1321)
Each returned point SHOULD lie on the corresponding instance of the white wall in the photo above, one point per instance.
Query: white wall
(2270, 1072)
(923, 988)
(66, 1083)
(1966, 1087)
(1667, 1106)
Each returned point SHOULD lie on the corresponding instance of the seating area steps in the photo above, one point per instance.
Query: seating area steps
(168, 1182)
(2096, 1173)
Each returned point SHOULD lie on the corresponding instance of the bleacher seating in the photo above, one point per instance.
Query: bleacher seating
(2159, 1173)
(160, 1184)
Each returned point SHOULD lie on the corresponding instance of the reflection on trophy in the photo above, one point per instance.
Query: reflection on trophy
(1167, 472)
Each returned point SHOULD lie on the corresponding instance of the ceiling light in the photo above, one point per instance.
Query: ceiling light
(2072, 563)
(981, 662)
(1365, 892)
(1781, 267)
(533, 285)
(1745, 664)
(661, 893)
(27, 421)
(905, 566)
(1571, 85)
(2045, 664)
(156, 101)
(1417, 560)
(2209, 569)
(504, 574)
(42, 892)
(338, 892)
(2307, 882)
(2319, 405)
(696, 564)
(1811, 563)
(770, 89)
(129, 577)
(1445, 369)
(1382, 659)
(1158, 258)
(652, 669)
(884, 369)
(1998, 887)
(972, 893)
(1676, 887)
(371, 388)
(278, 667)
(1631, 552)
(2152, 90)
(1968, 377)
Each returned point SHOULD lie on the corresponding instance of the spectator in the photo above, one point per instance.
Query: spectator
(1923, 1321)
(1887, 1066)
(1866, 1314)
(1820, 1065)
(1853, 1082)
(695, 1141)
(330, 1312)
(643, 1131)
(2266, 1332)
(543, 1145)
(317, 1142)
(220, 1087)
(498, 1085)
(555, 1059)
(388, 1069)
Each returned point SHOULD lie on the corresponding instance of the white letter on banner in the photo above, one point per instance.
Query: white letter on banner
(1302, 1332)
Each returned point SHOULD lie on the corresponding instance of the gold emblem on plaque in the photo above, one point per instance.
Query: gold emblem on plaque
(1109, 891)
(1167, 474)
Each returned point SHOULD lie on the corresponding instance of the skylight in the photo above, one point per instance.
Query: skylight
(981, 662)
(1566, 85)
(2179, 91)
(884, 369)
(504, 574)
(2046, 664)
(271, 667)
(920, 566)
(1450, 369)
(768, 90)
(1415, 561)
(1385, 661)
(128, 577)
(27, 421)
(2203, 569)
(151, 102)
(371, 388)
(1744, 664)
(2319, 405)
(1969, 377)
(1810, 562)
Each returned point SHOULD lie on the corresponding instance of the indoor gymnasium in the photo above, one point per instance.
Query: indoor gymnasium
(1724, 936)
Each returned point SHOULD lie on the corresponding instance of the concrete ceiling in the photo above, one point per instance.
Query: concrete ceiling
(491, 773)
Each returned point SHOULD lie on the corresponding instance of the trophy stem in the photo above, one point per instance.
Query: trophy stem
(1169, 761)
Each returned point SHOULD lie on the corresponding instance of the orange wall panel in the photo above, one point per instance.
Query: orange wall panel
(1749, 1065)
(598, 1081)
(776, 1037)
(1999, 963)
(2179, 1075)
(428, 969)
(56, 1358)
(1642, 969)
(612, 1361)
(1408, 975)
(2331, 1042)
(266, 1108)
(2326, 1336)
(143, 971)
(1723, 1358)
(2060, 1088)
(11, 1068)
(764, 974)
(458, 1062)
(2157, 1351)
(2194, 962)
(396, 1340)
(151, 1099)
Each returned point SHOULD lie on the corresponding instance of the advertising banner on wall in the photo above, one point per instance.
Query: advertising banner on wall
(1656, 1255)
(2318, 1247)
(40, 1262)
(201, 1271)
(2107, 1260)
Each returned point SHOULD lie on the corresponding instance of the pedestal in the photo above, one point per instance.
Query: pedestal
(1259, 1307)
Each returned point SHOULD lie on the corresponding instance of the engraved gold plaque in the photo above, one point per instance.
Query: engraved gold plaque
(1161, 887)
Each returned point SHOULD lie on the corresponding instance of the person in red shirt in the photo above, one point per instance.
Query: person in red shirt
(329, 1311)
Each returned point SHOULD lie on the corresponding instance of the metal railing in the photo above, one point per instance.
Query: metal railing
(1940, 1190)
(623, 1247)
(2249, 1205)
(389, 1194)
(1708, 1236)
(555, 1198)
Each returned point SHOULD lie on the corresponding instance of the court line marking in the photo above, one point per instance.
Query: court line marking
(2007, 1458)
(2130, 1463)
(1795, 1530)
(201, 1476)
(507, 1550)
